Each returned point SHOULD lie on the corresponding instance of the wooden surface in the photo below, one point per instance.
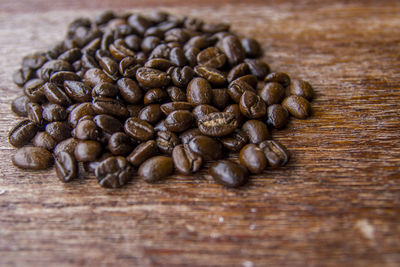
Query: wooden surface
(337, 203)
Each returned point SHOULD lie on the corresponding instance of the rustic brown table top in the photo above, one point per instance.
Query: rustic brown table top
(337, 203)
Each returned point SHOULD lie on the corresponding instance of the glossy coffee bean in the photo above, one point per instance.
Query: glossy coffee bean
(176, 94)
(155, 95)
(87, 130)
(55, 94)
(109, 106)
(238, 71)
(33, 90)
(233, 50)
(217, 124)
(114, 172)
(253, 158)
(166, 141)
(129, 90)
(199, 92)
(62, 76)
(187, 135)
(22, 133)
(87, 150)
(44, 140)
(108, 123)
(152, 78)
(66, 167)
(191, 54)
(235, 110)
(301, 88)
(160, 126)
(105, 90)
(252, 106)
(182, 76)
(207, 147)
(120, 144)
(298, 106)
(212, 75)
(58, 130)
(35, 111)
(18, 105)
(128, 67)
(221, 98)
(237, 88)
(185, 160)
(142, 152)
(278, 77)
(256, 131)
(151, 113)
(138, 129)
(258, 68)
(277, 116)
(251, 47)
(32, 158)
(167, 108)
(179, 121)
(235, 141)
(53, 112)
(275, 153)
(22, 75)
(272, 93)
(156, 168)
(96, 76)
(79, 111)
(68, 145)
(159, 64)
(202, 110)
(211, 57)
(228, 173)
(249, 79)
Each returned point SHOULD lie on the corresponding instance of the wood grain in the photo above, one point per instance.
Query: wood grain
(337, 203)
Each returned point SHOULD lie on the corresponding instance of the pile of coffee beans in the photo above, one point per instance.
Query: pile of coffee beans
(131, 94)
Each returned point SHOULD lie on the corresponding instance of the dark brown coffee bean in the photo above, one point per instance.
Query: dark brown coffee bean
(166, 141)
(44, 140)
(34, 111)
(160, 126)
(221, 98)
(32, 158)
(18, 105)
(130, 90)
(149, 43)
(233, 49)
(167, 108)
(177, 35)
(251, 47)
(199, 42)
(128, 67)
(258, 68)
(95, 76)
(272, 93)
(193, 24)
(138, 129)
(58, 130)
(110, 106)
(71, 55)
(235, 110)
(228, 173)
(152, 78)
(119, 50)
(278, 77)
(22, 75)
(202, 110)
(78, 112)
(185, 160)
(133, 42)
(87, 150)
(53, 112)
(51, 67)
(142, 152)
(161, 64)
(211, 57)
(66, 167)
(151, 113)
(253, 158)
(301, 88)
(22, 133)
(235, 141)
(62, 76)
(156, 168)
(105, 90)
(134, 110)
(87, 130)
(256, 131)
(56, 94)
(120, 144)
(277, 116)
(176, 94)
(199, 92)
(33, 61)
(108, 123)
(179, 121)
(191, 55)
(139, 23)
(68, 145)
(237, 88)
(214, 76)
(217, 124)
(155, 95)
(161, 51)
(214, 28)
(182, 76)
(114, 172)
(33, 90)
(207, 147)
(298, 106)
(177, 56)
(252, 106)
(249, 79)
(275, 153)
(238, 71)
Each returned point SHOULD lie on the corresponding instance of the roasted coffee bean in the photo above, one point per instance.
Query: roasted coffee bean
(275, 153)
(78, 112)
(177, 56)
(272, 93)
(191, 55)
(211, 57)
(129, 90)
(177, 35)
(120, 144)
(87, 130)
(105, 90)
(202, 110)
(160, 126)
(68, 145)
(114, 172)
(133, 42)
(149, 43)
(58, 130)
(156, 168)
(18, 105)
(142, 152)
(155, 95)
(176, 94)
(207, 147)
(56, 94)
(152, 78)
(139, 23)
(199, 42)
(95, 76)
(167, 108)
(278, 77)
(151, 113)
(22, 75)
(138, 129)
(249, 79)
(182, 76)
(32, 158)
(235, 141)
(221, 98)
(251, 47)
(199, 92)
(166, 141)
(108, 123)
(161, 51)
(128, 67)
(185, 160)
(298, 106)
(235, 110)
(51, 67)
(119, 50)
(159, 64)
(33, 61)
(214, 28)
(179, 121)
(238, 71)
(110, 106)
(228, 173)
(71, 55)
(233, 50)
(33, 90)
(62, 76)
(53, 112)
(87, 150)
(301, 88)
(256, 131)
(277, 116)
(258, 68)
(66, 167)
(44, 140)
(253, 158)
(134, 110)
(34, 111)
(217, 124)
(214, 76)
(237, 88)
(252, 106)
(22, 133)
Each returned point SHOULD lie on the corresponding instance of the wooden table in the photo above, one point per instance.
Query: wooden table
(337, 203)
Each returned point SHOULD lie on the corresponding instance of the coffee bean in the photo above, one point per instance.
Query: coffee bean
(160, 126)
(301, 88)
(62, 76)
(156, 168)
(249, 79)
(120, 144)
(275, 153)
(235, 141)
(155, 95)
(152, 78)
(233, 50)
(253, 158)
(149, 43)
(22, 75)
(177, 56)
(179, 120)
(53, 112)
(108, 123)
(56, 94)
(237, 88)
(22, 133)
(211, 57)
(44, 140)
(166, 141)
(207, 147)
(238, 71)
(235, 110)
(228, 173)
(176, 94)
(114, 172)
(105, 90)
(277, 116)
(119, 50)
(251, 47)
(199, 42)
(221, 98)
(272, 93)
(217, 124)
(68, 145)
(128, 67)
(151, 113)
(110, 106)
(278, 77)
(191, 54)
(252, 106)
(176, 35)
(189, 134)
(71, 55)
(167, 108)
(199, 92)
(87, 150)
(202, 110)
(142, 152)
(138, 129)
(297, 106)
(185, 160)
(161, 64)
(18, 105)
(182, 76)
(51, 67)
(66, 167)
(33, 90)
(32, 158)
(78, 112)
(35, 113)
(256, 131)
(214, 76)
(58, 130)
(129, 90)
(87, 130)
(258, 68)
